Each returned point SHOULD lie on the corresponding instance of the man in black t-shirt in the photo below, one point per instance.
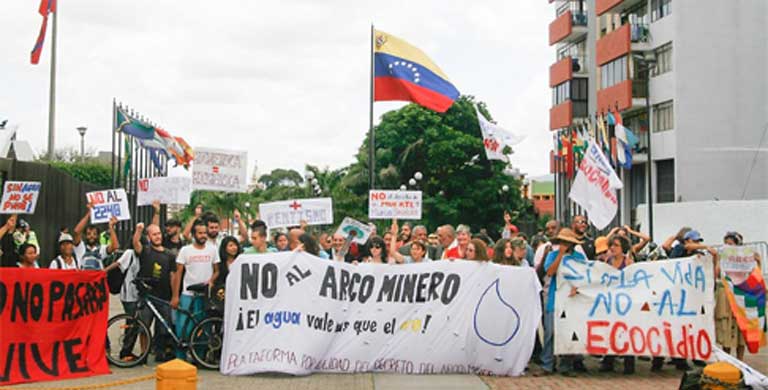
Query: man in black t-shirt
(172, 239)
(157, 263)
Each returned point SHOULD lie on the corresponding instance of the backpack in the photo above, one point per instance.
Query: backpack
(116, 278)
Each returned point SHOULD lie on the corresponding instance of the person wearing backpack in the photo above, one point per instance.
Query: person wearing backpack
(90, 251)
(126, 267)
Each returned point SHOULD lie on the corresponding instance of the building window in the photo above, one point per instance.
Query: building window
(663, 60)
(578, 52)
(660, 9)
(663, 117)
(613, 72)
(665, 181)
(575, 89)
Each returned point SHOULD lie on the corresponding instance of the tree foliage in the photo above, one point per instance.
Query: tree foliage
(88, 171)
(459, 184)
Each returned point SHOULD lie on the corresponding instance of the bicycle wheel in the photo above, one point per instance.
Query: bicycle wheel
(128, 341)
(206, 341)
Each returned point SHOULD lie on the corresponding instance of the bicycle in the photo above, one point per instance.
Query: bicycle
(204, 343)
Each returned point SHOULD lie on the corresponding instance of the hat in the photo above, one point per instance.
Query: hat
(568, 235)
(601, 244)
(64, 237)
(693, 235)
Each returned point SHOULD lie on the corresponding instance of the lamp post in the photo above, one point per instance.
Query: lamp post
(646, 62)
(82, 130)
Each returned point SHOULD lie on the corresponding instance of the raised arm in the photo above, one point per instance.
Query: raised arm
(78, 233)
(188, 227)
(114, 244)
(137, 247)
(393, 252)
(644, 239)
(667, 245)
(552, 270)
(9, 226)
(156, 214)
(241, 227)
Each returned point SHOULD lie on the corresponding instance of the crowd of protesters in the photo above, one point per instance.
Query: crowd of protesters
(202, 252)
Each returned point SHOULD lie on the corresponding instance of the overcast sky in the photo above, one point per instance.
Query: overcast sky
(286, 81)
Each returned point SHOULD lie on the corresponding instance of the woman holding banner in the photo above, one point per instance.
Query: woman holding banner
(619, 257)
(378, 252)
(477, 250)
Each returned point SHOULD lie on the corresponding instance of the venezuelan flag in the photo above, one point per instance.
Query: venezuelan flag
(403, 72)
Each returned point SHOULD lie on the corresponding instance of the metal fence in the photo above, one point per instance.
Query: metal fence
(61, 202)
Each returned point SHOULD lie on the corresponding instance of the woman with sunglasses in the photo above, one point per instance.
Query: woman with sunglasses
(377, 250)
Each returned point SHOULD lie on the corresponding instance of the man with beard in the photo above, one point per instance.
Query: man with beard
(172, 238)
(91, 253)
(201, 263)
(579, 226)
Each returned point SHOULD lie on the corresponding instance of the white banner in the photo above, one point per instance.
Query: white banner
(595, 187)
(385, 204)
(660, 308)
(359, 231)
(108, 203)
(220, 170)
(315, 211)
(20, 197)
(737, 262)
(168, 190)
(295, 313)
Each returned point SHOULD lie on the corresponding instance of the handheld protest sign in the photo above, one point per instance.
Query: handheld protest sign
(167, 190)
(358, 231)
(386, 204)
(108, 204)
(20, 197)
(314, 211)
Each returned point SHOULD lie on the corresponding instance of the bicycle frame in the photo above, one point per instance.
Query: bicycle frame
(147, 300)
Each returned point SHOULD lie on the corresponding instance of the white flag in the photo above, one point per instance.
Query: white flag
(496, 138)
(595, 187)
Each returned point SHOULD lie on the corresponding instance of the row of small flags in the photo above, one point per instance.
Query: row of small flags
(571, 143)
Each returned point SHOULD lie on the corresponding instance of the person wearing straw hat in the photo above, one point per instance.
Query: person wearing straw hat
(566, 241)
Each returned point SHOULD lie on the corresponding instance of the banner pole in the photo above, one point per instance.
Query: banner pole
(52, 91)
(371, 136)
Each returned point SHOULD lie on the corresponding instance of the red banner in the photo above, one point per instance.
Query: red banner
(53, 324)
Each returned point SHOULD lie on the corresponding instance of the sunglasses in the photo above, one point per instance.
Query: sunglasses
(376, 246)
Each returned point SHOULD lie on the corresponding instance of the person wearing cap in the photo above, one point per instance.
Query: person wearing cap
(693, 244)
(601, 248)
(91, 252)
(566, 242)
(66, 258)
(24, 235)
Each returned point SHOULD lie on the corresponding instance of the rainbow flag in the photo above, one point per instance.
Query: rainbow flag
(747, 301)
(403, 72)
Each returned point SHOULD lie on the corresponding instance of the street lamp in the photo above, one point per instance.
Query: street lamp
(403, 187)
(418, 176)
(82, 130)
(646, 61)
(412, 182)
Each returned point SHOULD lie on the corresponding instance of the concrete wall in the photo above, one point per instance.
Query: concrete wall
(712, 218)
(721, 98)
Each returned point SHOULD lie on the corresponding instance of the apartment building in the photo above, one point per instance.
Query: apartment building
(692, 73)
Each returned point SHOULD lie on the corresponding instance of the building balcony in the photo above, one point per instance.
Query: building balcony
(568, 27)
(628, 37)
(560, 71)
(615, 6)
(561, 115)
(626, 95)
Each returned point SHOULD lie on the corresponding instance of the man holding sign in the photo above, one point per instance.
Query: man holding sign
(107, 204)
(90, 252)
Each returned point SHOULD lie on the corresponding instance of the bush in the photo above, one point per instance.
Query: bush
(91, 172)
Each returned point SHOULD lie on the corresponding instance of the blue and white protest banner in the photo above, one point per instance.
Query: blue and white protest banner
(296, 313)
(107, 204)
(19, 197)
(659, 308)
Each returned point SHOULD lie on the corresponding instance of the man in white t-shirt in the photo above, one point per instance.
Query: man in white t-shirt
(201, 263)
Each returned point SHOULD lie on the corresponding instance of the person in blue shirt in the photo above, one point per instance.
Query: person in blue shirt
(566, 242)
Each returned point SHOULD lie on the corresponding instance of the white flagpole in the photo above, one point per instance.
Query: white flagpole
(52, 95)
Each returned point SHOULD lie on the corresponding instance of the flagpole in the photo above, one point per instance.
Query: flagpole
(52, 96)
(371, 135)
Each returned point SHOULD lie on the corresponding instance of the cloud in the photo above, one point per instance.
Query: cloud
(288, 82)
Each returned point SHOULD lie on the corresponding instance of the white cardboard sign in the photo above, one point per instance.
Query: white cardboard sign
(168, 190)
(315, 211)
(108, 203)
(386, 204)
(20, 197)
(220, 170)
(359, 231)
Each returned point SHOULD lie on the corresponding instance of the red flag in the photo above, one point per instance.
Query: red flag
(570, 162)
(46, 7)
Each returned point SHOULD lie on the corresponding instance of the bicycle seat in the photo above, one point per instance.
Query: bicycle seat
(144, 284)
(199, 288)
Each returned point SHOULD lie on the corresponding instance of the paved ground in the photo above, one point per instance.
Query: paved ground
(643, 379)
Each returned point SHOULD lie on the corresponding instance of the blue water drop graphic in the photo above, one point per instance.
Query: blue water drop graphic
(503, 317)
